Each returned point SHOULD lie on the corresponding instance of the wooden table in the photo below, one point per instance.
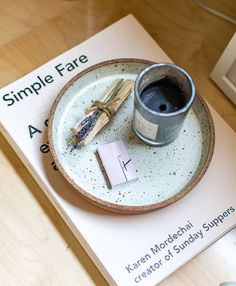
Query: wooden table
(36, 247)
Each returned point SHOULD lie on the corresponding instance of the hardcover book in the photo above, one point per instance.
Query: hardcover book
(128, 249)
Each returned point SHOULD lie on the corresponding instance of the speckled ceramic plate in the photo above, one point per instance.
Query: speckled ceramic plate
(165, 173)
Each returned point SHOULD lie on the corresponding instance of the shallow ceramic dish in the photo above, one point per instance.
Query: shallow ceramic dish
(165, 173)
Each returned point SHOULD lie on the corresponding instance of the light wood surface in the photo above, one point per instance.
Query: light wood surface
(36, 247)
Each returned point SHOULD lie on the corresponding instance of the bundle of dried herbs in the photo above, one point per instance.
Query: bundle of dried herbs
(100, 113)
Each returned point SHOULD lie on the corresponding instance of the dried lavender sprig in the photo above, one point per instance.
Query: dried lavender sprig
(85, 120)
(85, 126)
(114, 89)
(103, 119)
(77, 139)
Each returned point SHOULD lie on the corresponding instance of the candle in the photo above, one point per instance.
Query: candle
(164, 94)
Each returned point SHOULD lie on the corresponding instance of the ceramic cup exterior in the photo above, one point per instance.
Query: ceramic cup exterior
(158, 128)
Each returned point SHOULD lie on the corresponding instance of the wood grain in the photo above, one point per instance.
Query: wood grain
(19, 17)
(36, 247)
(193, 39)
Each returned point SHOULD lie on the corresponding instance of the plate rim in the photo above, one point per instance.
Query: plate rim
(120, 208)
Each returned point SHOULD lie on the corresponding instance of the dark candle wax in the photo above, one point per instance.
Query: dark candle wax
(163, 96)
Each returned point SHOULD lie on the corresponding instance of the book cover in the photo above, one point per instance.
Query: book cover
(128, 249)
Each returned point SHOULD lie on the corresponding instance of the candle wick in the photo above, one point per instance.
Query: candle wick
(162, 107)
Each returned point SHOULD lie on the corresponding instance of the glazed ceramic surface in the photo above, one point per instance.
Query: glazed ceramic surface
(165, 174)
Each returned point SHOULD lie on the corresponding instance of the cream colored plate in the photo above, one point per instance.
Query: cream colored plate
(165, 173)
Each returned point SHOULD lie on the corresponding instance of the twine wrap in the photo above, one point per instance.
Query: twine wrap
(107, 107)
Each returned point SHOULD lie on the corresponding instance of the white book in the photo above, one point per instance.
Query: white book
(128, 249)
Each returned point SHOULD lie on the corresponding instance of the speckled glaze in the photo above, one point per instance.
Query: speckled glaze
(165, 173)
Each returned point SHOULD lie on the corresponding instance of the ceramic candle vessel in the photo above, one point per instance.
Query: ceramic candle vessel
(164, 93)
